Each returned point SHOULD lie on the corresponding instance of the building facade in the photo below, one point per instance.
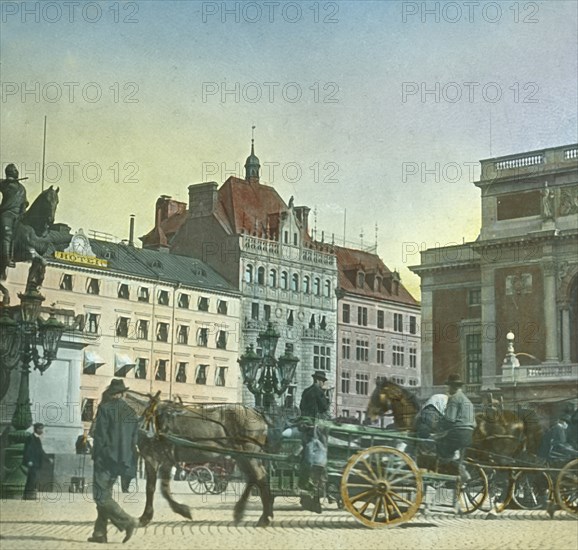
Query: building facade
(377, 330)
(519, 276)
(262, 246)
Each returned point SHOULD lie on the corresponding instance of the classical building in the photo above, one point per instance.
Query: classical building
(262, 246)
(519, 276)
(164, 322)
(377, 330)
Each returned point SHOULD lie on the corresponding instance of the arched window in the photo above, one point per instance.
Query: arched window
(317, 286)
(306, 284)
(249, 273)
(284, 280)
(273, 278)
(261, 276)
(295, 282)
(327, 288)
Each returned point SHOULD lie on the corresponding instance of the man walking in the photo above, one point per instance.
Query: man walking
(114, 454)
(33, 458)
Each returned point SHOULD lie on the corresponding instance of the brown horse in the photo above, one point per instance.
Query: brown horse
(222, 427)
(499, 434)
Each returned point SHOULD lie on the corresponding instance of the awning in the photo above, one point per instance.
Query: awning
(92, 361)
(122, 364)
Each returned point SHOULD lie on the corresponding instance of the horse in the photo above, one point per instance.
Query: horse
(498, 436)
(225, 427)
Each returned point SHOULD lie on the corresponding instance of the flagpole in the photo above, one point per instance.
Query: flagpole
(43, 153)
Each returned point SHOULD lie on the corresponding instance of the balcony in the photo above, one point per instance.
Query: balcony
(540, 374)
(275, 249)
(320, 334)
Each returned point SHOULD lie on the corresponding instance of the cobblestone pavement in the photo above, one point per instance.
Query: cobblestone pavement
(63, 522)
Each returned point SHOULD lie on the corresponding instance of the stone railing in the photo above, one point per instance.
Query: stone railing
(540, 373)
(520, 162)
(284, 251)
(322, 334)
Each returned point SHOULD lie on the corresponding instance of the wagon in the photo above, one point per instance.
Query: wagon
(368, 473)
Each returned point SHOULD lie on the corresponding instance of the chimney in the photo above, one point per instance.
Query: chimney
(202, 199)
(131, 231)
(302, 213)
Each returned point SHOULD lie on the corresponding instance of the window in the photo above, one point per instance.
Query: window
(361, 383)
(161, 372)
(162, 332)
(143, 294)
(87, 413)
(142, 330)
(290, 318)
(473, 358)
(380, 319)
(93, 286)
(184, 301)
(413, 358)
(222, 339)
(306, 284)
(362, 316)
(362, 350)
(140, 370)
(381, 353)
(346, 313)
(181, 376)
(273, 278)
(255, 311)
(261, 276)
(203, 304)
(183, 335)
(284, 280)
(286, 237)
(398, 322)
(321, 358)
(328, 288)
(345, 348)
(345, 381)
(317, 286)
(66, 282)
(295, 282)
(398, 353)
(267, 312)
(93, 321)
(123, 291)
(360, 279)
(249, 273)
(222, 307)
(201, 374)
(122, 324)
(202, 337)
(345, 413)
(412, 324)
(221, 376)
(163, 298)
(295, 241)
(312, 321)
(323, 323)
(474, 297)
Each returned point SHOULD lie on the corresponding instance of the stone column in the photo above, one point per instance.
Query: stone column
(565, 312)
(427, 335)
(550, 318)
(489, 327)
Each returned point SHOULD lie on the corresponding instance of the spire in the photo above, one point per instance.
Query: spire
(252, 165)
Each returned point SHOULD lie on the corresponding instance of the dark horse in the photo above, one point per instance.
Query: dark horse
(499, 434)
(227, 428)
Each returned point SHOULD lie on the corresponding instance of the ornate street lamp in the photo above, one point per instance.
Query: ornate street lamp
(22, 332)
(264, 375)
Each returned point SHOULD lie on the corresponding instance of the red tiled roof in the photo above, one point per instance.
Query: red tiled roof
(350, 261)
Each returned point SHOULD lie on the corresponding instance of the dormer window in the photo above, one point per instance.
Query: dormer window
(377, 285)
(360, 279)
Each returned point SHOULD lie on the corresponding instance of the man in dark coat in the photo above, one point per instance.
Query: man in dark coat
(114, 453)
(314, 406)
(554, 445)
(33, 458)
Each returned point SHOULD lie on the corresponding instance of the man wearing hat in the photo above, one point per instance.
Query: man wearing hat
(114, 433)
(459, 422)
(33, 458)
(314, 406)
(554, 445)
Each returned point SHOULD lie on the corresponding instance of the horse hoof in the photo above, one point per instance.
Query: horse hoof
(144, 521)
(185, 511)
(264, 522)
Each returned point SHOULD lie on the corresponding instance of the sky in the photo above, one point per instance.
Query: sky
(370, 112)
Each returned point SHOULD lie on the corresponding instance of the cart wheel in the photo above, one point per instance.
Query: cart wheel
(201, 480)
(501, 486)
(531, 490)
(567, 487)
(221, 478)
(381, 487)
(473, 493)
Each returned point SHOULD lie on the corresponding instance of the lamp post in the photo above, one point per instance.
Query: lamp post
(512, 361)
(264, 375)
(22, 332)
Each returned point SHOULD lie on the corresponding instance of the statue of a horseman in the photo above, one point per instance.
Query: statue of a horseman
(26, 235)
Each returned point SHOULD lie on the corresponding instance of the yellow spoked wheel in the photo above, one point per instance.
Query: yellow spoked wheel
(567, 487)
(474, 492)
(531, 490)
(381, 487)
